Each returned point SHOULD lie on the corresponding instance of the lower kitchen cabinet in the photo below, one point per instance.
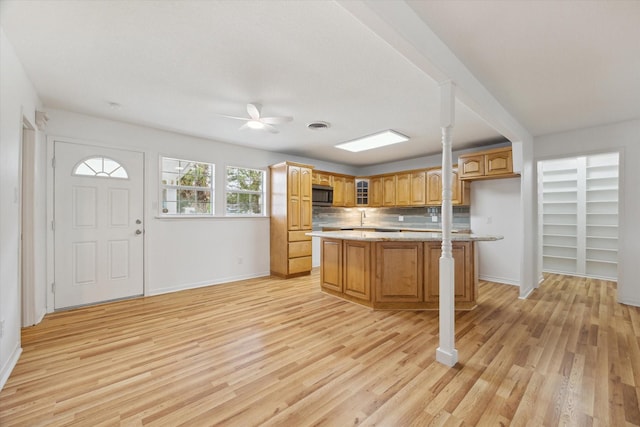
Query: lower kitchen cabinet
(395, 275)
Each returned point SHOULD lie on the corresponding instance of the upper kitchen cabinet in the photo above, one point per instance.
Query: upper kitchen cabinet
(389, 190)
(322, 178)
(291, 219)
(489, 164)
(344, 191)
(419, 188)
(403, 189)
(375, 191)
(362, 191)
(460, 190)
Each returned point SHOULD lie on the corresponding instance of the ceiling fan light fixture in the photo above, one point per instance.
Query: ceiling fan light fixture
(255, 124)
(377, 140)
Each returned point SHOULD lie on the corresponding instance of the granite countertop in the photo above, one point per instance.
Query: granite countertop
(383, 228)
(400, 236)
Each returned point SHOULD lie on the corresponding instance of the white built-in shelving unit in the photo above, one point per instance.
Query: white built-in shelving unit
(579, 205)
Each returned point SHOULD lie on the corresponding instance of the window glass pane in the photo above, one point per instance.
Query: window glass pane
(189, 184)
(119, 173)
(244, 191)
(101, 167)
(95, 164)
(83, 169)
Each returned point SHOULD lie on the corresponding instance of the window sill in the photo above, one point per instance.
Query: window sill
(218, 217)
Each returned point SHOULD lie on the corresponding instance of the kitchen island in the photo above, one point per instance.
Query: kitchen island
(396, 270)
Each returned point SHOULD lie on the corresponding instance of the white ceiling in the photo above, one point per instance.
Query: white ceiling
(179, 65)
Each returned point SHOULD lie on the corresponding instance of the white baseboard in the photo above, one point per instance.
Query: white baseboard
(185, 286)
(8, 367)
(627, 301)
(502, 280)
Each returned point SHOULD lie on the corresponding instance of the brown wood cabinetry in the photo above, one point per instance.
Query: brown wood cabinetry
(291, 219)
(357, 269)
(460, 190)
(322, 178)
(344, 191)
(399, 272)
(389, 190)
(489, 164)
(403, 189)
(375, 191)
(464, 273)
(418, 188)
(395, 275)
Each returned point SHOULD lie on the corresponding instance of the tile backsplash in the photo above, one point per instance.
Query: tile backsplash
(413, 217)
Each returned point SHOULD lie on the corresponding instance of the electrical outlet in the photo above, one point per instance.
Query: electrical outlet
(400, 218)
(240, 260)
(434, 218)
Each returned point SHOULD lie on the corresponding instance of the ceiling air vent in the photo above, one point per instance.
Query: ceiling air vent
(318, 125)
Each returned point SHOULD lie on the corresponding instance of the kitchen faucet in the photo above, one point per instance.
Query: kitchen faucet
(363, 215)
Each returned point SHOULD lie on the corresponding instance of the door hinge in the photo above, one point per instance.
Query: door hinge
(53, 287)
(53, 162)
(53, 225)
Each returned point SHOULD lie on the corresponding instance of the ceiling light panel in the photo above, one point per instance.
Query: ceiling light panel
(381, 139)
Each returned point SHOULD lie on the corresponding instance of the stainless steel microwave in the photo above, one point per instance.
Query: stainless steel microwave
(322, 195)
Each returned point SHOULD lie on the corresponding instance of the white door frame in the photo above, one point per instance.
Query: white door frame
(50, 209)
(26, 272)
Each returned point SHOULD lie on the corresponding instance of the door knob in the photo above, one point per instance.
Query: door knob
(138, 231)
(138, 221)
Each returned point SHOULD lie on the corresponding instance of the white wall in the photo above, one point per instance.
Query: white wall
(625, 138)
(495, 210)
(18, 100)
(185, 253)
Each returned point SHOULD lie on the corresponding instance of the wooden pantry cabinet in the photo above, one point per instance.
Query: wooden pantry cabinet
(291, 219)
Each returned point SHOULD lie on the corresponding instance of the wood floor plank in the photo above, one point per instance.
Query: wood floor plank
(280, 352)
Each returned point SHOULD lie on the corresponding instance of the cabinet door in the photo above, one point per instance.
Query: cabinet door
(362, 192)
(434, 187)
(293, 198)
(461, 190)
(471, 166)
(322, 178)
(349, 192)
(306, 209)
(331, 264)
(357, 271)
(498, 163)
(418, 188)
(375, 191)
(399, 272)
(389, 190)
(464, 287)
(338, 190)
(403, 189)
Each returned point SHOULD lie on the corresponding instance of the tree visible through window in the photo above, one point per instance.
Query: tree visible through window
(187, 187)
(245, 191)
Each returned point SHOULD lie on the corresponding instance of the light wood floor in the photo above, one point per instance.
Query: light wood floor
(279, 352)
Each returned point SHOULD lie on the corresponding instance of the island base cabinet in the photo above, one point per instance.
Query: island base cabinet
(357, 269)
(391, 275)
(465, 282)
(398, 272)
(331, 265)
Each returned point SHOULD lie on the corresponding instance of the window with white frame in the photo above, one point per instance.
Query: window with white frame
(245, 191)
(187, 187)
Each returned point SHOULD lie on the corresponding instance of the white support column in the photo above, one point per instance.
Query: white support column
(446, 352)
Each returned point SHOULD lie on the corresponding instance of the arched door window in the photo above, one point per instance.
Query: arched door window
(101, 167)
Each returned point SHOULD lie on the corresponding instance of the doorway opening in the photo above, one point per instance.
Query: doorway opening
(578, 204)
(27, 226)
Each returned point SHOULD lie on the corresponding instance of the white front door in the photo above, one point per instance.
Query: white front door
(98, 214)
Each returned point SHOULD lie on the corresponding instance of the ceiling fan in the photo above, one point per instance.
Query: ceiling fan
(255, 121)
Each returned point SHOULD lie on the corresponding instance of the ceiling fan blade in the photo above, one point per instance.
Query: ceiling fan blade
(254, 111)
(276, 120)
(270, 128)
(234, 117)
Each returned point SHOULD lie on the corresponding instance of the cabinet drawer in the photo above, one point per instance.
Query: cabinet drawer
(298, 236)
(299, 265)
(298, 249)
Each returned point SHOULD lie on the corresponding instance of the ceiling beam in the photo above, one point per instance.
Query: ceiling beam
(396, 23)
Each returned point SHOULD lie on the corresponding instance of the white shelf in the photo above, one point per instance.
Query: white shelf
(579, 215)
